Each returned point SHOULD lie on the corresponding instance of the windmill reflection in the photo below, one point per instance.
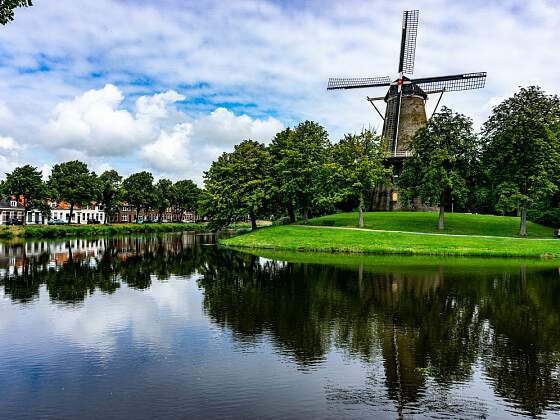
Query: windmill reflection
(422, 330)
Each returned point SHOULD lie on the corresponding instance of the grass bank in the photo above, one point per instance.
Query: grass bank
(7, 232)
(455, 223)
(302, 238)
(410, 264)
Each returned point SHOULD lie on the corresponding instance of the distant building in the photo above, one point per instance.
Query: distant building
(61, 211)
(11, 209)
(127, 214)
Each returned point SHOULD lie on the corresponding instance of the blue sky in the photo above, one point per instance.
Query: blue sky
(169, 85)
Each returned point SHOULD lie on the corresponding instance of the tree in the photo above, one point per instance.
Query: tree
(240, 184)
(7, 8)
(358, 165)
(73, 183)
(139, 190)
(299, 156)
(521, 150)
(186, 196)
(164, 193)
(445, 152)
(26, 184)
(109, 189)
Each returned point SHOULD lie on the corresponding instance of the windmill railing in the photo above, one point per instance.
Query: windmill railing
(403, 153)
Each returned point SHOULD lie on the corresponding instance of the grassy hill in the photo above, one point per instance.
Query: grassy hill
(491, 236)
(455, 223)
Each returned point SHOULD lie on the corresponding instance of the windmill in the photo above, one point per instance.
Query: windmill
(405, 111)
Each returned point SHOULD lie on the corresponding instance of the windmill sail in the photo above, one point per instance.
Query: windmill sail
(408, 41)
(451, 83)
(357, 82)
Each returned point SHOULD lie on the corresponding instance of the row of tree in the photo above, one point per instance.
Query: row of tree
(72, 182)
(511, 166)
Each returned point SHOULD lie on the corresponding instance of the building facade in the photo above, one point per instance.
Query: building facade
(61, 211)
(11, 209)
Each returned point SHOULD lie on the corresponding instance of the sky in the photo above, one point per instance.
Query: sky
(168, 85)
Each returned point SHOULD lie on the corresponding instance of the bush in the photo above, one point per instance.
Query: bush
(550, 217)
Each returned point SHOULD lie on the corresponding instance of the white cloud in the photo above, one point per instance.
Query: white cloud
(8, 144)
(9, 155)
(170, 152)
(257, 58)
(223, 128)
(95, 123)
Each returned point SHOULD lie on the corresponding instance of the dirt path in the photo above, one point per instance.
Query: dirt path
(423, 233)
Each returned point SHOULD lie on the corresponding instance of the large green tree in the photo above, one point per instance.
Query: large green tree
(164, 197)
(444, 157)
(186, 196)
(26, 184)
(109, 189)
(7, 8)
(139, 191)
(521, 150)
(299, 158)
(240, 184)
(73, 183)
(358, 167)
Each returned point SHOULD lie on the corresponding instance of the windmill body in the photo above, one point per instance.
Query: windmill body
(405, 110)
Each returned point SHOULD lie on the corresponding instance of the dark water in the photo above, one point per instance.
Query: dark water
(174, 327)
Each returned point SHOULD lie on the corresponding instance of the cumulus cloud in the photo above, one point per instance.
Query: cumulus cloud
(94, 122)
(223, 128)
(239, 63)
(9, 155)
(170, 152)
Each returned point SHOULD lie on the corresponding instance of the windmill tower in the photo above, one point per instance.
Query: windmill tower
(405, 110)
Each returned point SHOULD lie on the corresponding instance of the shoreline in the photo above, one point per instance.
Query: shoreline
(46, 231)
(369, 242)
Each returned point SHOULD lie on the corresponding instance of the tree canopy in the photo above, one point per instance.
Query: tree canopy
(299, 158)
(73, 183)
(444, 155)
(7, 8)
(358, 168)
(239, 184)
(26, 184)
(521, 150)
(109, 191)
(139, 191)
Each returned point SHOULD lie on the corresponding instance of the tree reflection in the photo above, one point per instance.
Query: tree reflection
(73, 269)
(424, 327)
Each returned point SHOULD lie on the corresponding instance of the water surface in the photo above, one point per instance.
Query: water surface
(173, 326)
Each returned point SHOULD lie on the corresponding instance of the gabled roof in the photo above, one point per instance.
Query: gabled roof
(7, 204)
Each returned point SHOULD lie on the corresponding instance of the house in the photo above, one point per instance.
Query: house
(127, 214)
(61, 211)
(11, 209)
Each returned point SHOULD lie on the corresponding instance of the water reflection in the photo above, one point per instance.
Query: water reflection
(431, 337)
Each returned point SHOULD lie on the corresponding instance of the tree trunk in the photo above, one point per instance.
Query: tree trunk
(361, 211)
(137, 214)
(371, 198)
(523, 224)
(71, 213)
(253, 221)
(291, 212)
(306, 215)
(160, 216)
(441, 217)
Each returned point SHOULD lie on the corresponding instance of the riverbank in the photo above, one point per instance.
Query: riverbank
(9, 232)
(304, 238)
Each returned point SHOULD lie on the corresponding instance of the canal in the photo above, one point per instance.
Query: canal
(173, 326)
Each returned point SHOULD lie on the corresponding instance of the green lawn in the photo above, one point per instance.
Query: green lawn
(302, 238)
(455, 223)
